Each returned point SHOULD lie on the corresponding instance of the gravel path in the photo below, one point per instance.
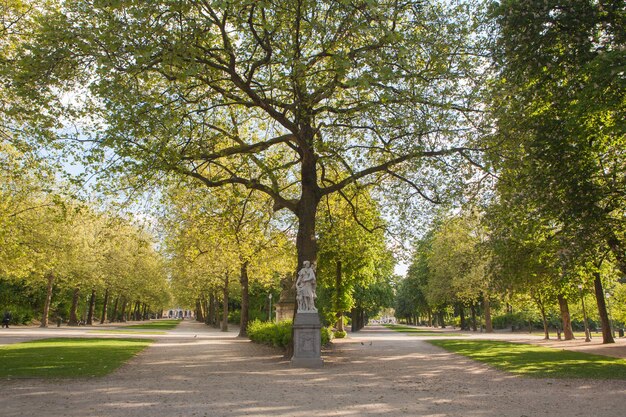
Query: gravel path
(198, 371)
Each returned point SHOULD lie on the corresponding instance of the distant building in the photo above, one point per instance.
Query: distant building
(178, 313)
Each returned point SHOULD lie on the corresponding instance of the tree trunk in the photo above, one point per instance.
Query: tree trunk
(92, 307)
(338, 293)
(115, 306)
(123, 312)
(442, 321)
(199, 312)
(224, 327)
(487, 308)
(105, 305)
(607, 335)
(73, 315)
(245, 300)
(46, 306)
(565, 318)
(430, 317)
(136, 311)
(213, 309)
(473, 315)
(462, 317)
(544, 319)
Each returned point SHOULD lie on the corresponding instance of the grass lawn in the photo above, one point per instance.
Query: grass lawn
(155, 325)
(67, 358)
(537, 361)
(128, 331)
(419, 332)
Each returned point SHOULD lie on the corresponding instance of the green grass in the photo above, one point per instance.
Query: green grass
(67, 358)
(155, 325)
(414, 331)
(537, 361)
(122, 331)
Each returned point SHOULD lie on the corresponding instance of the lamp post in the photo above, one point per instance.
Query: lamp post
(582, 300)
(608, 307)
(270, 312)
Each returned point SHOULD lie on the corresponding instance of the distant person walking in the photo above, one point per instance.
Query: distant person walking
(6, 319)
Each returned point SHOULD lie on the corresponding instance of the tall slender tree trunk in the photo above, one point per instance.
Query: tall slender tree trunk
(487, 308)
(245, 300)
(338, 295)
(544, 318)
(462, 316)
(105, 305)
(565, 318)
(48, 301)
(224, 327)
(442, 321)
(607, 335)
(92, 307)
(73, 310)
(473, 315)
(213, 309)
(199, 311)
(115, 307)
(123, 312)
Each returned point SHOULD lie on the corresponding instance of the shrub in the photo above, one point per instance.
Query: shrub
(20, 315)
(339, 334)
(275, 334)
(327, 335)
(279, 334)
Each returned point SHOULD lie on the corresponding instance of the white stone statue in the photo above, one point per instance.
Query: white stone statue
(305, 287)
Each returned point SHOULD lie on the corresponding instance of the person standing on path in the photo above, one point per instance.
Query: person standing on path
(6, 319)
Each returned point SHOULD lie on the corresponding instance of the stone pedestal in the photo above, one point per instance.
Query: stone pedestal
(284, 310)
(307, 341)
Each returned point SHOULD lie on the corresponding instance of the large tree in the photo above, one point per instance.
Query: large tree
(559, 107)
(295, 99)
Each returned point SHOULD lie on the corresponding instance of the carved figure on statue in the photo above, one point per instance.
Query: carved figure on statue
(306, 286)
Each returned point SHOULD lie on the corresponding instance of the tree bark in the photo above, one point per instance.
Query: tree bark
(224, 327)
(115, 306)
(338, 293)
(487, 308)
(73, 315)
(92, 307)
(473, 315)
(105, 305)
(46, 306)
(123, 312)
(245, 300)
(199, 312)
(462, 317)
(213, 309)
(607, 335)
(137, 310)
(565, 318)
(544, 319)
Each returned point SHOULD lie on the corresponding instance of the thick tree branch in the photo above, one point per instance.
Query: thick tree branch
(386, 166)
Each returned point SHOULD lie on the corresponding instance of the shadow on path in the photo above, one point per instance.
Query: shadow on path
(195, 370)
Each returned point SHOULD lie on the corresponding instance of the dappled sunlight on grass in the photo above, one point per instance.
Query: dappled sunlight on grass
(121, 331)
(67, 357)
(414, 331)
(535, 361)
(155, 325)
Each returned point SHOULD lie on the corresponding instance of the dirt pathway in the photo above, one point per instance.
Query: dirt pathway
(198, 371)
